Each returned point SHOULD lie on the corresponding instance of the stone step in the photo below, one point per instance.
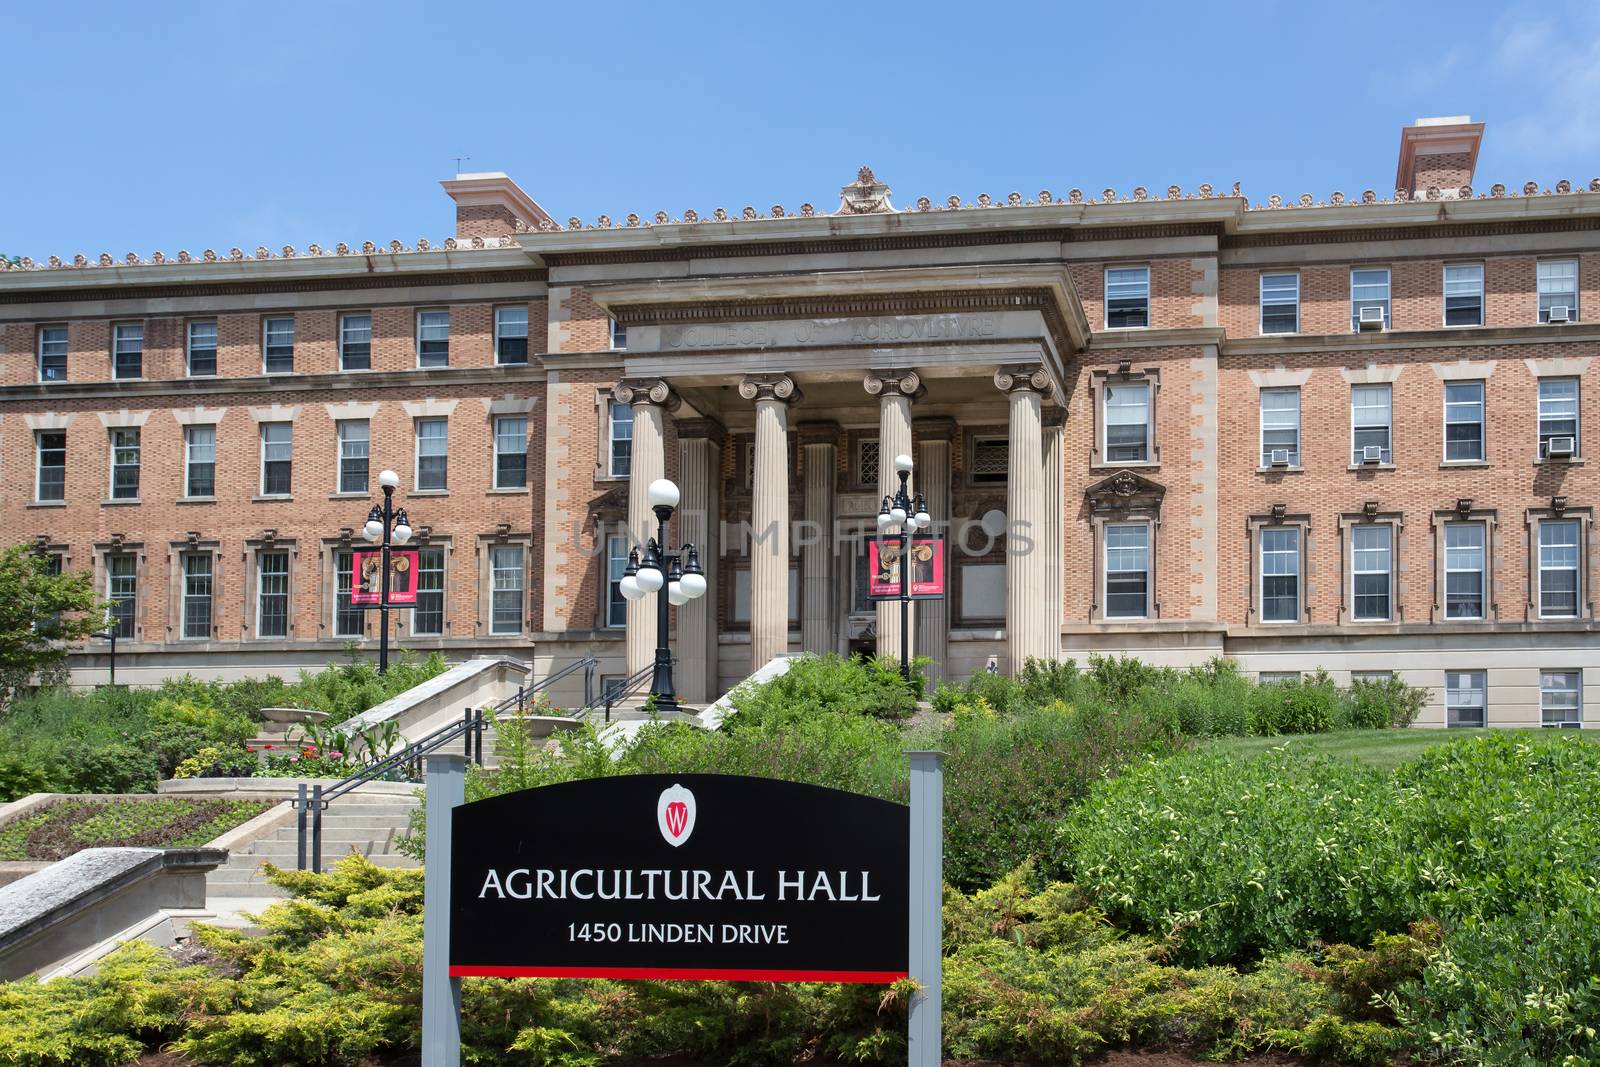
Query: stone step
(277, 850)
(333, 835)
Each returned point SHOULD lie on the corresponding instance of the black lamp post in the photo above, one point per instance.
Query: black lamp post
(110, 634)
(676, 569)
(898, 512)
(388, 525)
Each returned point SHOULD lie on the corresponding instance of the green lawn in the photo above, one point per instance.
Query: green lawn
(1381, 748)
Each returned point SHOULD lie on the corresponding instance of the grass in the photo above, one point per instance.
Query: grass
(1386, 749)
(70, 826)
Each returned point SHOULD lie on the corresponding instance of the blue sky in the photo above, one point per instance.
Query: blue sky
(136, 127)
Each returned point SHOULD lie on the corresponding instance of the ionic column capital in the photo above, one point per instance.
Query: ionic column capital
(1022, 376)
(906, 383)
(701, 429)
(637, 392)
(778, 387)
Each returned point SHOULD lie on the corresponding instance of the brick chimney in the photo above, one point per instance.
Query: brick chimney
(1440, 154)
(491, 204)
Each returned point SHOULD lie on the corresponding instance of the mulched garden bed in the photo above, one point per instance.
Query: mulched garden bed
(69, 826)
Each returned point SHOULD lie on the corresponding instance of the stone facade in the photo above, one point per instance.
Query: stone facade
(1080, 380)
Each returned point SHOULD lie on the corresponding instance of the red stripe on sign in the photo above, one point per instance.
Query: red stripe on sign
(719, 974)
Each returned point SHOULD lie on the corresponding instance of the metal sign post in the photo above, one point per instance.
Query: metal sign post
(927, 909)
(441, 994)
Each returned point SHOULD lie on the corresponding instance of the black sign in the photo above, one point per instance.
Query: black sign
(681, 876)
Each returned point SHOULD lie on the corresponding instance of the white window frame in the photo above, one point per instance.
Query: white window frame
(1472, 683)
(344, 339)
(500, 334)
(417, 436)
(618, 336)
(266, 457)
(261, 591)
(611, 439)
(1388, 388)
(1106, 282)
(1571, 718)
(1482, 570)
(1278, 301)
(1482, 423)
(1576, 569)
(266, 342)
(189, 446)
(1542, 313)
(421, 314)
(123, 589)
(1577, 414)
(189, 348)
(39, 353)
(38, 466)
(1276, 677)
(1146, 385)
(615, 615)
(1445, 294)
(360, 631)
(1261, 425)
(339, 456)
(1106, 549)
(495, 570)
(443, 590)
(1298, 573)
(137, 464)
(521, 438)
(186, 560)
(117, 338)
(1356, 571)
(1356, 304)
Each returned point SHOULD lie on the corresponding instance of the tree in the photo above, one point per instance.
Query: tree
(41, 612)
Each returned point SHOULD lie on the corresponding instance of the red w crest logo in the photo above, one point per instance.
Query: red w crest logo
(675, 814)
(677, 817)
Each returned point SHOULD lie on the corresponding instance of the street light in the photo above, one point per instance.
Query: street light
(900, 511)
(110, 634)
(676, 570)
(391, 527)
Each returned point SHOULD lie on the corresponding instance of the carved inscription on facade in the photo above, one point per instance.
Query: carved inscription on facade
(880, 330)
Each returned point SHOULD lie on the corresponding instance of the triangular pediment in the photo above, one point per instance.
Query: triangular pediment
(1123, 490)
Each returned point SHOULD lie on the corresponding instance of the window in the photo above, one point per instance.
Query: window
(1277, 677)
(1465, 569)
(427, 618)
(127, 350)
(348, 620)
(122, 590)
(433, 458)
(621, 424)
(272, 594)
(196, 595)
(511, 335)
(433, 338)
(1280, 303)
(1463, 422)
(1371, 676)
(199, 461)
(1280, 426)
(1370, 425)
(511, 452)
(1280, 574)
(202, 349)
(505, 583)
(277, 346)
(50, 478)
(353, 444)
(277, 447)
(868, 461)
(48, 624)
(1558, 569)
(991, 460)
(1369, 289)
(983, 592)
(125, 464)
(619, 335)
(1558, 416)
(1558, 287)
(1560, 702)
(616, 563)
(1465, 703)
(1127, 559)
(1371, 568)
(355, 342)
(53, 354)
(1127, 297)
(1127, 422)
(1463, 294)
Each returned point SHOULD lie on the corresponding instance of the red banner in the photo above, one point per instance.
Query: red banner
(367, 587)
(927, 570)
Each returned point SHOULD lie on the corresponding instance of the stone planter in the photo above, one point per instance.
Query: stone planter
(292, 715)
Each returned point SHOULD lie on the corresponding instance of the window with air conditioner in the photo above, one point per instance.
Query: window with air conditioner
(1369, 299)
(1558, 418)
(1371, 423)
(1280, 427)
(1558, 290)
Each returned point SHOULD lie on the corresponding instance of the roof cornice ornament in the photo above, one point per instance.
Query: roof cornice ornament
(865, 196)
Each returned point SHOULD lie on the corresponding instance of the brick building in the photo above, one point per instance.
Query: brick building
(1343, 433)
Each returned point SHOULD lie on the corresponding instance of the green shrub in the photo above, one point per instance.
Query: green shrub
(21, 773)
(1308, 705)
(1234, 857)
(831, 683)
(1376, 705)
(116, 768)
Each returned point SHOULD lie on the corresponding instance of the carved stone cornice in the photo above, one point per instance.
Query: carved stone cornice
(934, 428)
(637, 392)
(780, 387)
(818, 432)
(700, 429)
(1019, 376)
(906, 383)
(1124, 491)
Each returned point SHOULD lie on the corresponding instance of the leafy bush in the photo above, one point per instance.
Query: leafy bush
(830, 683)
(1307, 705)
(116, 768)
(1374, 705)
(21, 774)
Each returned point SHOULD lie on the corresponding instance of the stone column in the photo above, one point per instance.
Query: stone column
(650, 399)
(700, 468)
(769, 547)
(1026, 549)
(1054, 517)
(934, 437)
(819, 442)
(895, 390)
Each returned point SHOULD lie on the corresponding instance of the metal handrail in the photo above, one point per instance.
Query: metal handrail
(615, 690)
(518, 701)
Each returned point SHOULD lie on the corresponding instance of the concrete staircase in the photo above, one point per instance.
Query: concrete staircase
(368, 823)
